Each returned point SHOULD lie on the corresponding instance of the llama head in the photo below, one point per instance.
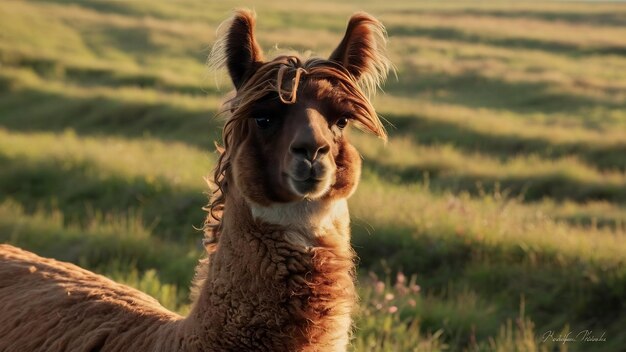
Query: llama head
(286, 137)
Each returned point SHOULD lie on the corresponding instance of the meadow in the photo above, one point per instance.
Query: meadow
(493, 216)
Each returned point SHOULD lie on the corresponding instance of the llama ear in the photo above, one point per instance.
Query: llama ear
(237, 48)
(362, 51)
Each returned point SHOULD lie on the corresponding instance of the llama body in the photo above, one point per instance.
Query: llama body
(46, 305)
(279, 271)
(263, 303)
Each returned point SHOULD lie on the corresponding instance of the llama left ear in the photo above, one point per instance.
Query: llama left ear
(363, 53)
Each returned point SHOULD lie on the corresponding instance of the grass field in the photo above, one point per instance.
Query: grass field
(495, 214)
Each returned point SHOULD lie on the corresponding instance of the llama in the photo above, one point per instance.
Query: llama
(279, 272)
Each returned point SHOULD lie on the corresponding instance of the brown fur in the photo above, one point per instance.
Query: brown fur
(279, 271)
(46, 305)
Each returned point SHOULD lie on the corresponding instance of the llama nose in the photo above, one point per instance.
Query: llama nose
(309, 151)
(309, 140)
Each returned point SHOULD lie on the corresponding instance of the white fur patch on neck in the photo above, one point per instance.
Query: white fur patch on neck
(314, 216)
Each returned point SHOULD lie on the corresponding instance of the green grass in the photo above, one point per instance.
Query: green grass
(495, 213)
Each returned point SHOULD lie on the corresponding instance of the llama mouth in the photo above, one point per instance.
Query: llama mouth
(310, 187)
(307, 183)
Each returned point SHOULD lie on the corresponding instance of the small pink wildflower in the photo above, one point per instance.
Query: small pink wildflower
(400, 278)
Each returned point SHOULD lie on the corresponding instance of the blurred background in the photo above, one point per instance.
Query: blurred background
(493, 218)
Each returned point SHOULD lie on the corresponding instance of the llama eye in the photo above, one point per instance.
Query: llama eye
(263, 122)
(342, 122)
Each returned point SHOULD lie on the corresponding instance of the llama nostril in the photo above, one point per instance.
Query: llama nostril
(303, 152)
(319, 152)
(323, 151)
(310, 153)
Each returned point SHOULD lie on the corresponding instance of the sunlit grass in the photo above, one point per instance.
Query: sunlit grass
(492, 220)
(446, 159)
(176, 163)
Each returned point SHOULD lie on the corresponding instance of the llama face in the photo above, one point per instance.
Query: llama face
(297, 151)
(286, 139)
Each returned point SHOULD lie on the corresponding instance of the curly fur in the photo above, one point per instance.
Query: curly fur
(279, 275)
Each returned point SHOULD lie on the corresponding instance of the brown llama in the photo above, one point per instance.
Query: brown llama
(279, 272)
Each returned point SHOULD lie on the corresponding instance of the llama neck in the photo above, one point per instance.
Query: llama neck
(310, 218)
(276, 284)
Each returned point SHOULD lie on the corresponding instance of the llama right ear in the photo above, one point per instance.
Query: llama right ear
(362, 51)
(237, 48)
